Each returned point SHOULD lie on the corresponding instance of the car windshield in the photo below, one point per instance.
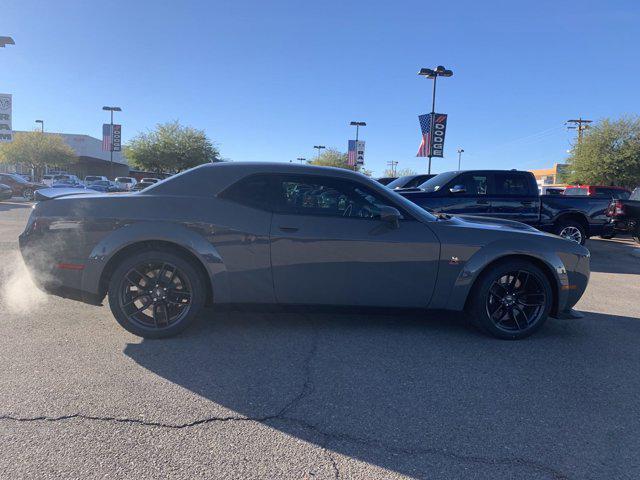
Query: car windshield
(17, 178)
(581, 191)
(399, 182)
(101, 183)
(123, 180)
(436, 183)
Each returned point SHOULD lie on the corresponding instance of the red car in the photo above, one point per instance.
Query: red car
(597, 191)
(19, 185)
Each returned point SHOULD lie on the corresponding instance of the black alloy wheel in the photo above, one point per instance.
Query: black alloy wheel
(156, 294)
(516, 300)
(511, 299)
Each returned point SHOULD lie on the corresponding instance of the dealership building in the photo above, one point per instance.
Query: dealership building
(90, 158)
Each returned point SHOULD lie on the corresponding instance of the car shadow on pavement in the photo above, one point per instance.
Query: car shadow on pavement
(409, 392)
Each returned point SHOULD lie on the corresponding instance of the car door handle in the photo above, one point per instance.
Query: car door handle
(288, 229)
(482, 202)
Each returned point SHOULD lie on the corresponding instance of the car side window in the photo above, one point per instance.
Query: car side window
(511, 184)
(473, 183)
(252, 191)
(323, 196)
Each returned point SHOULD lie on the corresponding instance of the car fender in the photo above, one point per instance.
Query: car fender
(132, 233)
(501, 249)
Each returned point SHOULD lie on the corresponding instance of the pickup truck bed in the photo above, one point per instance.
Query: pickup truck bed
(513, 195)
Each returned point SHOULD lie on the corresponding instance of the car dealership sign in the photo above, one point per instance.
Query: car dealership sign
(6, 132)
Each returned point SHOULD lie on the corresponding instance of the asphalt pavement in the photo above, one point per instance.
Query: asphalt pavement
(309, 394)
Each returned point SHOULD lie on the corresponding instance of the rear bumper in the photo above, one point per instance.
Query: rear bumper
(624, 225)
(46, 273)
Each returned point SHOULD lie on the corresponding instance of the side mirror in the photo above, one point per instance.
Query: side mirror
(458, 189)
(390, 216)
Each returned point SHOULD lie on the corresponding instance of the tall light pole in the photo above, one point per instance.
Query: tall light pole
(319, 147)
(41, 122)
(357, 125)
(301, 160)
(460, 152)
(111, 109)
(433, 74)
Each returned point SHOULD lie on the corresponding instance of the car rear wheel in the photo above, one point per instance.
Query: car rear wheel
(27, 194)
(511, 300)
(571, 230)
(156, 294)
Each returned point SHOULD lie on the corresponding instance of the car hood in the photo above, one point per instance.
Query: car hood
(489, 223)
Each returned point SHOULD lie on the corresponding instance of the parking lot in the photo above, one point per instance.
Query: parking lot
(314, 394)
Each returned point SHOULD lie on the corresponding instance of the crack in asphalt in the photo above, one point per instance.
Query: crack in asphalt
(306, 389)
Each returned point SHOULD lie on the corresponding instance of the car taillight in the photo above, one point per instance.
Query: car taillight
(616, 209)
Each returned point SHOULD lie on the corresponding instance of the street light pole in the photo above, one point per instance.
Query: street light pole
(357, 125)
(433, 74)
(41, 122)
(460, 151)
(111, 110)
(319, 147)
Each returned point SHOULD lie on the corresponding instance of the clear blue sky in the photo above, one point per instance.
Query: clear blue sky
(269, 79)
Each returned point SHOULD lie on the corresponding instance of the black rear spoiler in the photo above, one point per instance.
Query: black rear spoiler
(44, 194)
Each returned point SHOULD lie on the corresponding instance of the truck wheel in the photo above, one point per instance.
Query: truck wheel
(608, 236)
(511, 300)
(571, 230)
(156, 294)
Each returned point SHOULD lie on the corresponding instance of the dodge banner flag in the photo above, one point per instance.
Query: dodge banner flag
(6, 132)
(117, 138)
(433, 127)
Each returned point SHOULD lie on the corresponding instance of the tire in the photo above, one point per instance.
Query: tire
(27, 194)
(571, 230)
(500, 310)
(608, 237)
(156, 293)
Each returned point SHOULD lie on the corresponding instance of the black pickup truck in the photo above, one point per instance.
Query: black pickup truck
(625, 215)
(513, 195)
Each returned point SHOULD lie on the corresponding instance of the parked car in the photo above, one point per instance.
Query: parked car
(597, 191)
(104, 186)
(385, 180)
(141, 186)
(19, 185)
(66, 179)
(89, 179)
(257, 232)
(624, 215)
(47, 180)
(409, 181)
(126, 183)
(5, 192)
(150, 180)
(512, 195)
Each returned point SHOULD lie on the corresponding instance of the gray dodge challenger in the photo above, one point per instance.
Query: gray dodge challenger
(277, 233)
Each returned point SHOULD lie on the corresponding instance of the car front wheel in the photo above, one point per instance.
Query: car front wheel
(156, 294)
(511, 300)
(27, 194)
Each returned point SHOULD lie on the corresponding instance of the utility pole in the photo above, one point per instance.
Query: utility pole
(580, 125)
(460, 152)
(393, 164)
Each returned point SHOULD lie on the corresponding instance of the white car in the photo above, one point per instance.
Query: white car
(47, 180)
(126, 183)
(150, 180)
(89, 179)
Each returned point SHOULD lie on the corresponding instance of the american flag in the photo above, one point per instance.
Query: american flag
(425, 126)
(351, 154)
(106, 137)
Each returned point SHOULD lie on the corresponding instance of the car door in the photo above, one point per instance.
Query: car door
(466, 194)
(329, 246)
(514, 197)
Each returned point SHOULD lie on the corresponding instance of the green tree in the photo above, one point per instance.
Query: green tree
(37, 150)
(609, 154)
(333, 157)
(171, 147)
